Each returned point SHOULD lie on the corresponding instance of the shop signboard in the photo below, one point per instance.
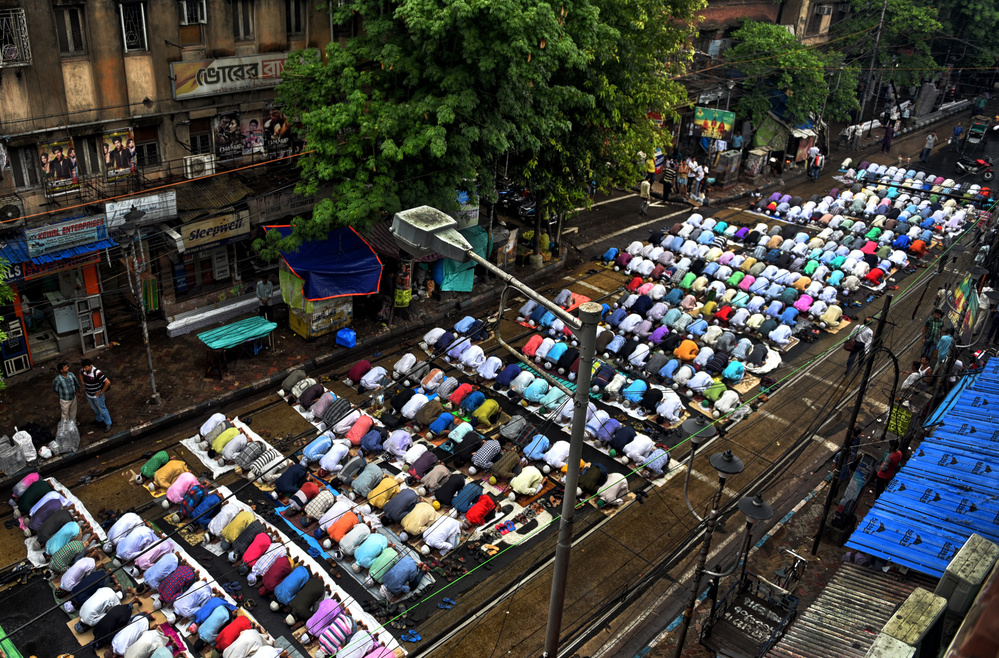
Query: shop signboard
(214, 232)
(158, 208)
(714, 124)
(56, 237)
(226, 75)
(27, 271)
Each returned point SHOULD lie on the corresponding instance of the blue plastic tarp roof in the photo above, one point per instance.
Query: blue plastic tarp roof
(948, 488)
(343, 264)
(16, 251)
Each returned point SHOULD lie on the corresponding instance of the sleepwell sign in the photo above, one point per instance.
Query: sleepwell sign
(216, 231)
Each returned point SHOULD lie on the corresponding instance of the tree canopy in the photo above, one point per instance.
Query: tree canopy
(431, 94)
(776, 68)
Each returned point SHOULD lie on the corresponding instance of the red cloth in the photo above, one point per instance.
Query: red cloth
(634, 284)
(178, 580)
(530, 348)
(875, 275)
(870, 247)
(360, 369)
(482, 508)
(724, 313)
(918, 248)
(258, 547)
(275, 574)
(460, 393)
(359, 429)
(229, 634)
(889, 465)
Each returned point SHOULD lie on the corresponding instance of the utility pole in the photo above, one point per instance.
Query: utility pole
(845, 450)
(867, 85)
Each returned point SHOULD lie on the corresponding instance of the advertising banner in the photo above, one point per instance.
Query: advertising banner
(226, 75)
(158, 207)
(119, 154)
(714, 124)
(277, 133)
(56, 237)
(965, 311)
(208, 233)
(228, 136)
(59, 166)
(253, 133)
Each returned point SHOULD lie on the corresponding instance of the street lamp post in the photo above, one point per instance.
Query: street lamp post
(726, 464)
(131, 230)
(728, 97)
(425, 230)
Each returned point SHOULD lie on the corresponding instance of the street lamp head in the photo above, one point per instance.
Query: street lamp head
(698, 430)
(726, 464)
(978, 270)
(134, 215)
(425, 230)
(755, 508)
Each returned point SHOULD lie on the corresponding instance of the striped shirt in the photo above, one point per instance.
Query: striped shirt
(337, 634)
(93, 381)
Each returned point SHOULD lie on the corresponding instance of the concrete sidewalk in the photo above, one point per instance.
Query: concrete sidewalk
(179, 366)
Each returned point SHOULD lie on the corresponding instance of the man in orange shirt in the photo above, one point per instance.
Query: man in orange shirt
(686, 351)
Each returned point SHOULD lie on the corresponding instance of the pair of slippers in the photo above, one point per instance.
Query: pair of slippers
(447, 604)
(410, 636)
(232, 587)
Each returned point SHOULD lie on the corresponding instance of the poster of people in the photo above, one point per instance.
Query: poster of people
(714, 124)
(119, 153)
(59, 166)
(277, 133)
(253, 134)
(228, 136)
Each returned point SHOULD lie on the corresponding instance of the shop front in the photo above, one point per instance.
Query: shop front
(57, 309)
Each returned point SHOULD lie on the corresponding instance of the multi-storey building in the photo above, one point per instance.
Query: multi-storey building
(110, 105)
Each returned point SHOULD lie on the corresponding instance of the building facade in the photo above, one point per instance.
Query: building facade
(112, 105)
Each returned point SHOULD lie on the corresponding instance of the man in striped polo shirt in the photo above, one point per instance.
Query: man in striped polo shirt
(96, 384)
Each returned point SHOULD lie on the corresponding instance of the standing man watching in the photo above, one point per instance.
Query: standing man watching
(931, 141)
(67, 387)
(645, 190)
(932, 331)
(862, 337)
(943, 350)
(888, 468)
(265, 290)
(96, 384)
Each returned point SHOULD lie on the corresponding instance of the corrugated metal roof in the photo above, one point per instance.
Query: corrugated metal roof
(210, 195)
(847, 616)
(16, 251)
(946, 490)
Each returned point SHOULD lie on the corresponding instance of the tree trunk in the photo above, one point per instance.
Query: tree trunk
(539, 209)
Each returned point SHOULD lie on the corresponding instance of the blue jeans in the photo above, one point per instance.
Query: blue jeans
(928, 347)
(696, 187)
(100, 409)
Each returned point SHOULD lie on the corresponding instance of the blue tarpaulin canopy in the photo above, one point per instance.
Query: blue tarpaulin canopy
(947, 489)
(451, 275)
(342, 264)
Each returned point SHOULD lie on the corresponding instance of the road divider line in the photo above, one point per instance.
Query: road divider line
(631, 228)
(606, 201)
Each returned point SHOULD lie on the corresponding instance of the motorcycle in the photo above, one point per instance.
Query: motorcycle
(977, 167)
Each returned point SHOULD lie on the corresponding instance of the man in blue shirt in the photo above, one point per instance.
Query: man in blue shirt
(943, 349)
(955, 139)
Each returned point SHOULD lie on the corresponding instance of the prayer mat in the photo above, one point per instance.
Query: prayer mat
(213, 466)
(190, 534)
(838, 328)
(790, 344)
(748, 383)
(611, 511)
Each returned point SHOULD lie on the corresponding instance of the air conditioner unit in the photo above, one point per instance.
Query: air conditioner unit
(196, 166)
(824, 10)
(966, 572)
(11, 211)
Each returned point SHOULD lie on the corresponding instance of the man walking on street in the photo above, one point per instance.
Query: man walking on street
(67, 387)
(932, 330)
(644, 190)
(955, 139)
(862, 338)
(96, 384)
(931, 141)
(943, 350)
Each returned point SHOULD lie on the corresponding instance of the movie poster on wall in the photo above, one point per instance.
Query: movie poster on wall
(253, 134)
(59, 166)
(277, 133)
(228, 136)
(118, 149)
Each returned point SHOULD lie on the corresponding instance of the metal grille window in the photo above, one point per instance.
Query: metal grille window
(70, 30)
(15, 49)
(147, 150)
(86, 152)
(242, 20)
(201, 136)
(24, 163)
(193, 12)
(133, 26)
(294, 13)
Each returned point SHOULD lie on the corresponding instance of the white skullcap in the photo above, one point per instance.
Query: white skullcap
(275, 606)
